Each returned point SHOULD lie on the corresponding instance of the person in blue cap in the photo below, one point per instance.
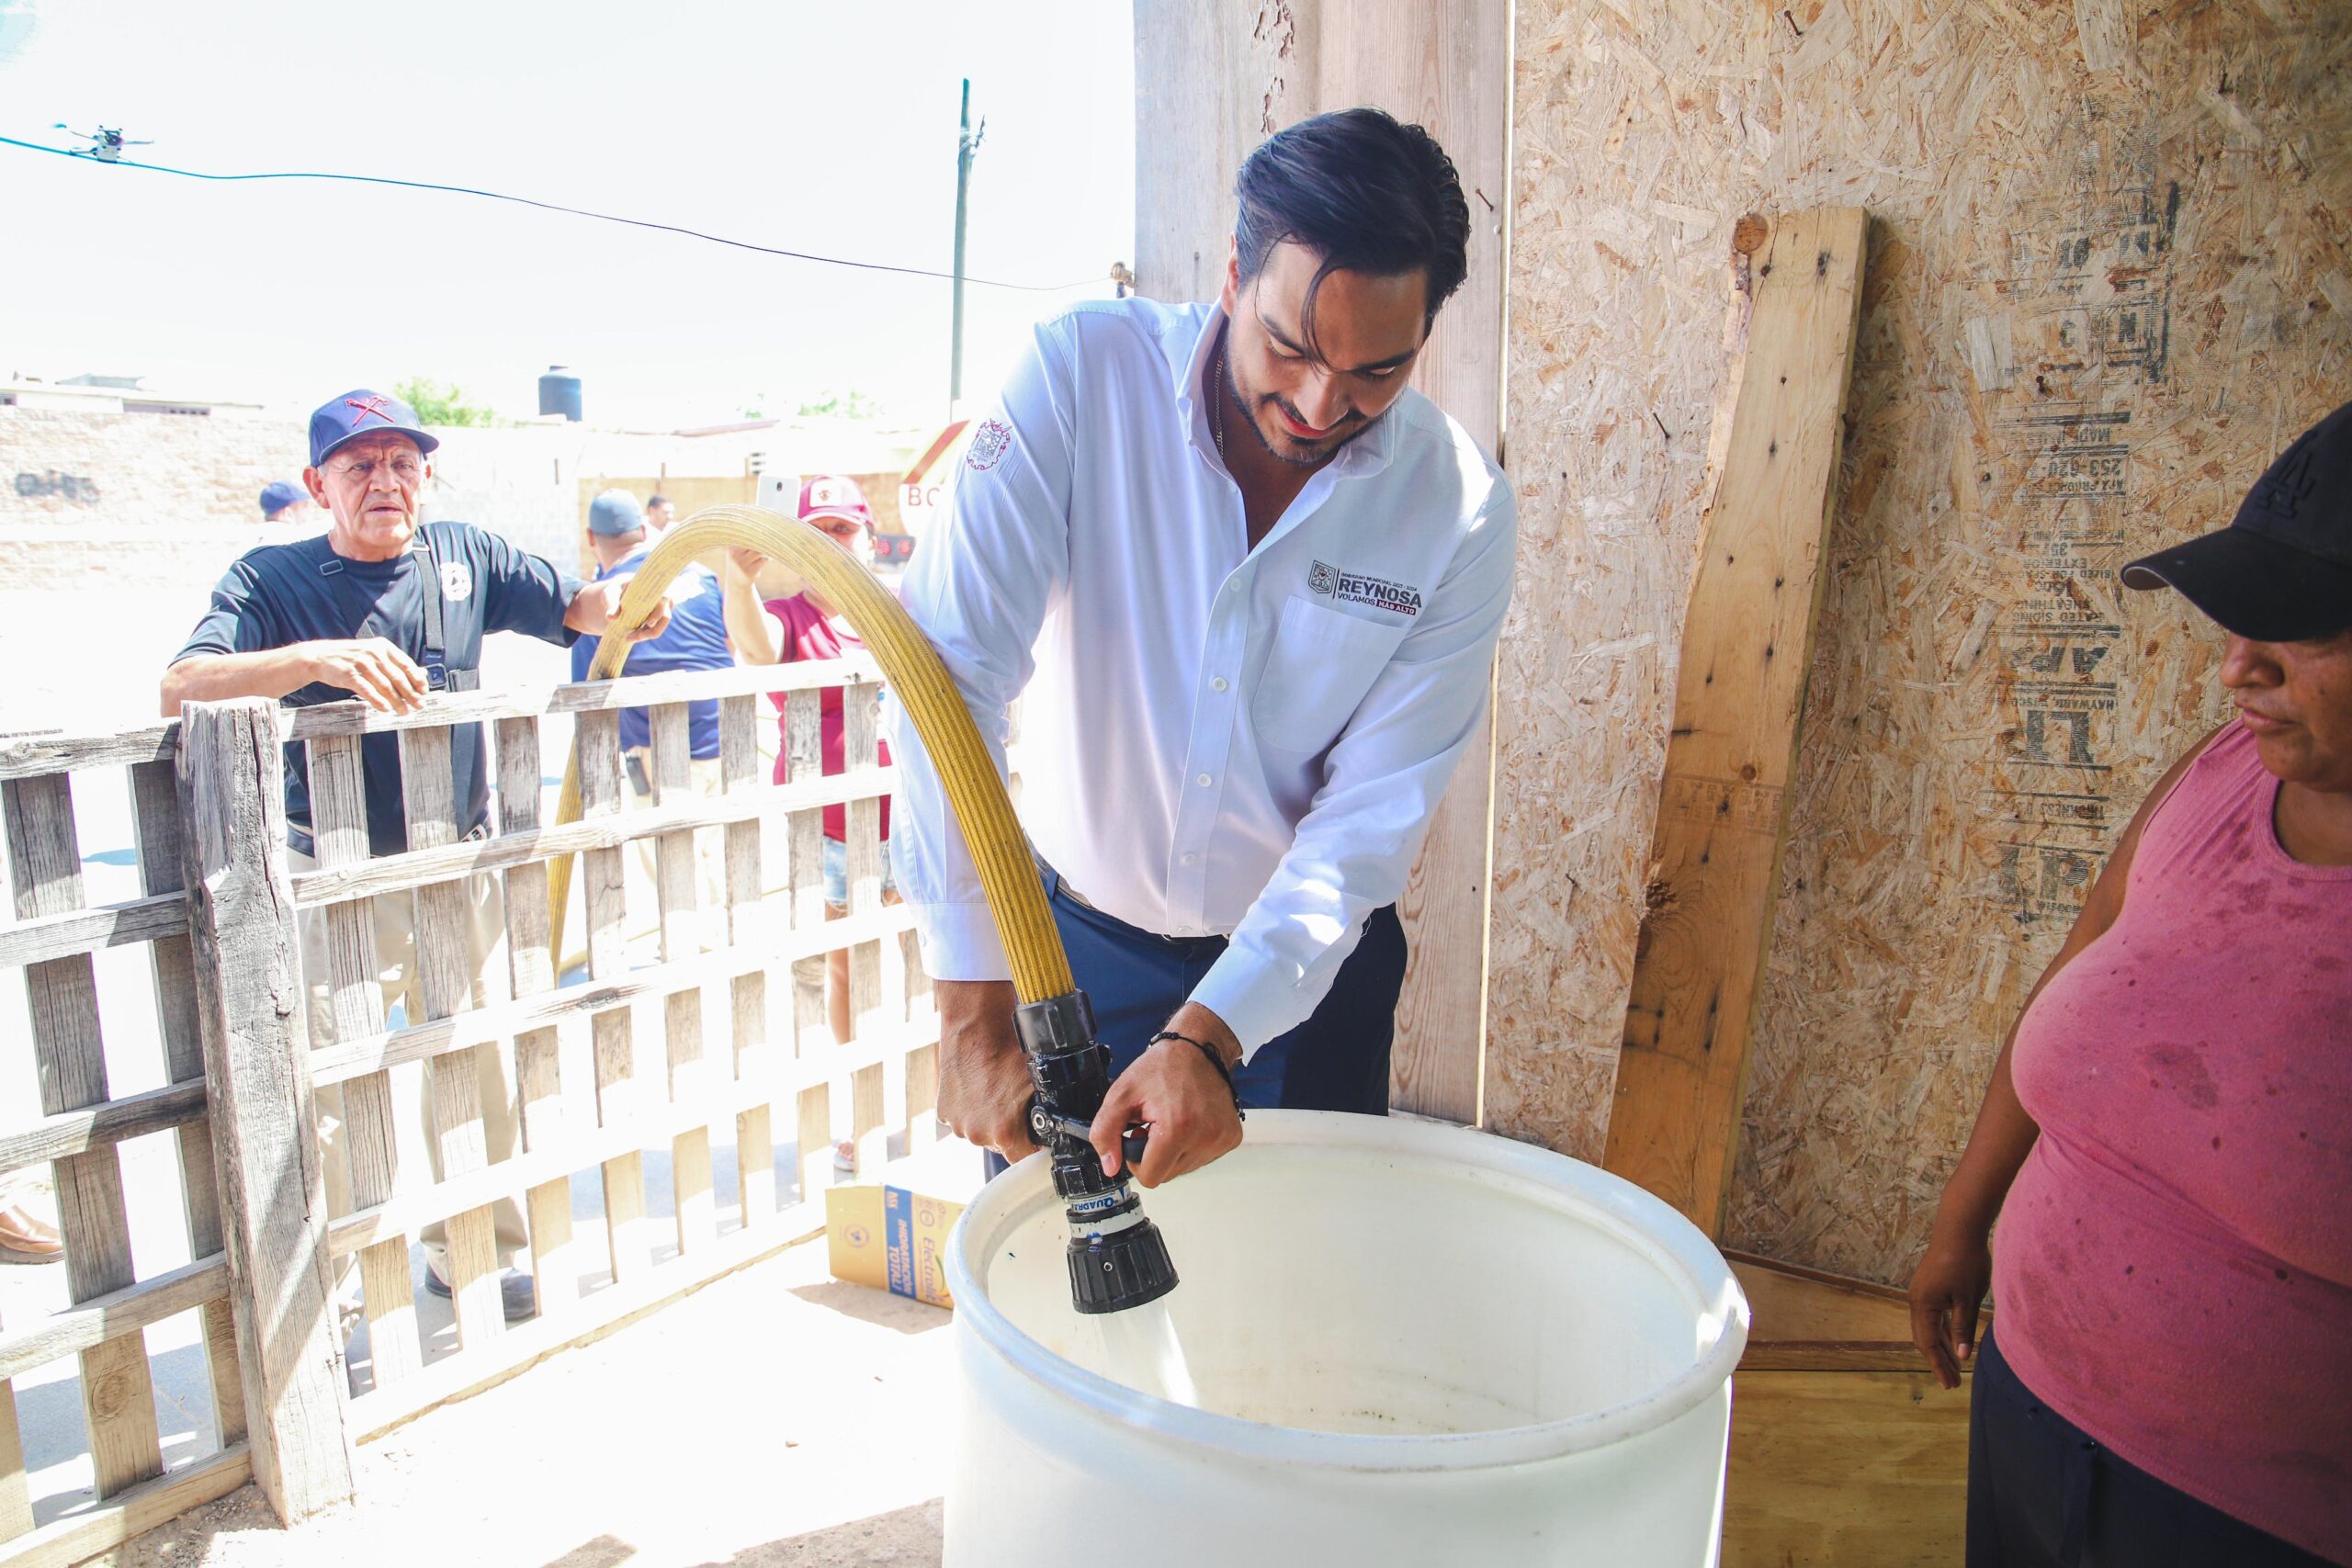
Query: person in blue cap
(618, 537)
(283, 502)
(388, 608)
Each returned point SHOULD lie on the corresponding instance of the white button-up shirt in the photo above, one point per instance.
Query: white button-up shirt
(1215, 739)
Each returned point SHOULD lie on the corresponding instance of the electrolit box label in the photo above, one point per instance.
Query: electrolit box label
(891, 1238)
(898, 1232)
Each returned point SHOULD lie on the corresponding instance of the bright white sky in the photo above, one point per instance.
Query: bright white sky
(819, 127)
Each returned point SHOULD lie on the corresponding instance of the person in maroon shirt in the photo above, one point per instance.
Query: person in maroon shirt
(786, 631)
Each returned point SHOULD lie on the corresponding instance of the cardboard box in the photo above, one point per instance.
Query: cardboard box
(893, 1237)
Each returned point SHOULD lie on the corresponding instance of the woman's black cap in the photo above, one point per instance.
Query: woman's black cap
(2282, 570)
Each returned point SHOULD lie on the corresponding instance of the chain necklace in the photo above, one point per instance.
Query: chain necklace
(1217, 408)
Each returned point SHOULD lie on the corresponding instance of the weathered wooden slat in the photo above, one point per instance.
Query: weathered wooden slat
(543, 700)
(418, 1042)
(32, 756)
(804, 754)
(546, 1107)
(444, 986)
(85, 1533)
(619, 1093)
(156, 825)
(86, 931)
(45, 872)
(115, 1315)
(370, 1141)
(97, 1126)
(676, 882)
(869, 1095)
(393, 874)
(1746, 648)
(747, 930)
(273, 1189)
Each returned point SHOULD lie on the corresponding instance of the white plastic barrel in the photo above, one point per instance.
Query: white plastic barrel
(1413, 1344)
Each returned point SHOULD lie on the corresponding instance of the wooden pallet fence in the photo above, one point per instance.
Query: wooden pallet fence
(322, 1137)
(629, 1060)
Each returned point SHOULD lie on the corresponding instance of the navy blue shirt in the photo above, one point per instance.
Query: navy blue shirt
(279, 594)
(695, 639)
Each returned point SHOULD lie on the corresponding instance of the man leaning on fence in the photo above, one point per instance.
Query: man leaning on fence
(388, 609)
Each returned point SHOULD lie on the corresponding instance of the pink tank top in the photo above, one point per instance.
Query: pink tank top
(2173, 1269)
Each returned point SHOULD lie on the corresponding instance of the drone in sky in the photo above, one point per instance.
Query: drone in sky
(105, 144)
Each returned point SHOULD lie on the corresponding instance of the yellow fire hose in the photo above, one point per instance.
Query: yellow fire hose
(982, 810)
(1118, 1258)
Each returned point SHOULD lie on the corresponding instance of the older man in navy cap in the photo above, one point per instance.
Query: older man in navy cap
(387, 608)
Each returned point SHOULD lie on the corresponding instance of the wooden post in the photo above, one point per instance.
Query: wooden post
(249, 1005)
(155, 817)
(1746, 648)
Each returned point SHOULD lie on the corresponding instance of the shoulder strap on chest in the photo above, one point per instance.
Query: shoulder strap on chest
(438, 673)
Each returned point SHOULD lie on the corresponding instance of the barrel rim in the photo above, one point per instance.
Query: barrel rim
(1661, 1234)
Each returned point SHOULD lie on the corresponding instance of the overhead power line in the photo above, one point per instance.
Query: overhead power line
(84, 155)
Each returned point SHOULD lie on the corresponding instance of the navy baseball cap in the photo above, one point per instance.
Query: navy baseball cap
(614, 512)
(2282, 570)
(278, 494)
(363, 413)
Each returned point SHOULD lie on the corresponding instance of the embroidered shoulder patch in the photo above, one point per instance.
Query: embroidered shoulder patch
(457, 579)
(988, 445)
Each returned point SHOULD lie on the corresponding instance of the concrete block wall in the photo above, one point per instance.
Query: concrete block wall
(114, 527)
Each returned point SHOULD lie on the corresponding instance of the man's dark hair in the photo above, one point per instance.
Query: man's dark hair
(1363, 192)
(654, 501)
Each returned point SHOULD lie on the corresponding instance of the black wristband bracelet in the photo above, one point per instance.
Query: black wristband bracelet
(1217, 1060)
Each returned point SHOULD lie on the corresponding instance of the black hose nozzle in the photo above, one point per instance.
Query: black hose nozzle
(1118, 1258)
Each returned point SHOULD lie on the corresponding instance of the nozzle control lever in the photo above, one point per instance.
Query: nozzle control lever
(1043, 1125)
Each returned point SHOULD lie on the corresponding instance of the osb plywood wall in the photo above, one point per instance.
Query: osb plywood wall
(2109, 279)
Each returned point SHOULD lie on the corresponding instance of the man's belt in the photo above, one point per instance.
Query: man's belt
(299, 841)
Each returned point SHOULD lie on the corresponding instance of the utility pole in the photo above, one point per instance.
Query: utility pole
(966, 144)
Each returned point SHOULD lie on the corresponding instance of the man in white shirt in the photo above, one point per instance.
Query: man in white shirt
(1252, 585)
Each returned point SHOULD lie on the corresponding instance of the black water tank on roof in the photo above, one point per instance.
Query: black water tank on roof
(559, 393)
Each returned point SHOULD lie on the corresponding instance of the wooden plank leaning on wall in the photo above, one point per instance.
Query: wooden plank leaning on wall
(1746, 648)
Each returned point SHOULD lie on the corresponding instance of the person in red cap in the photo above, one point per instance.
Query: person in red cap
(805, 627)
(2168, 1136)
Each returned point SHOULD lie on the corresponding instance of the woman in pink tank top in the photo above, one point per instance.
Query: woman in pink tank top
(2167, 1137)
